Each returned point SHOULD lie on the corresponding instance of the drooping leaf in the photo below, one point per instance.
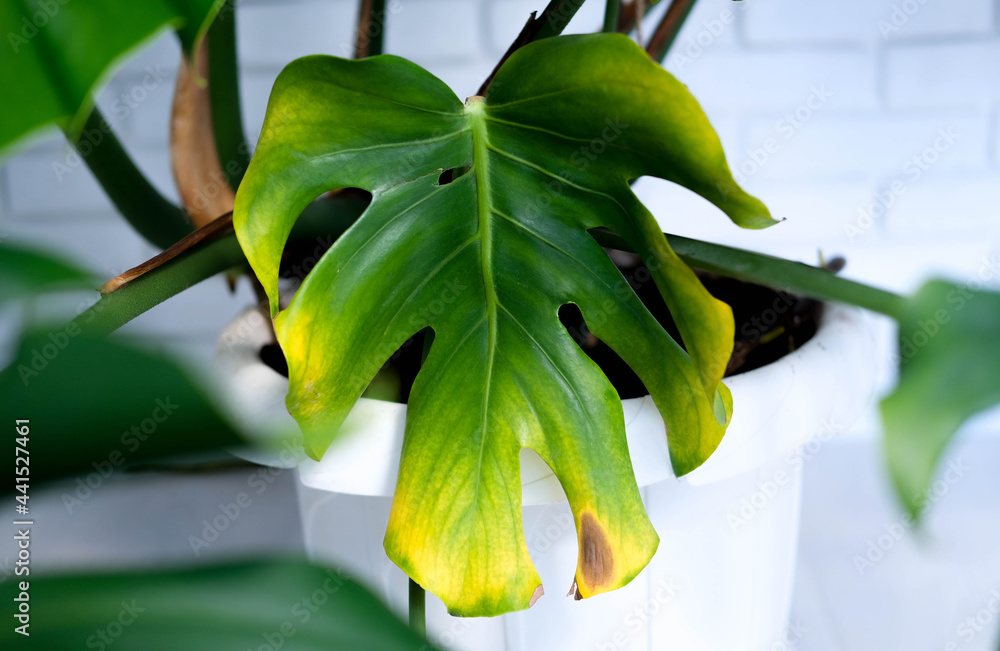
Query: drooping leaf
(949, 341)
(486, 261)
(97, 404)
(24, 273)
(56, 52)
(279, 605)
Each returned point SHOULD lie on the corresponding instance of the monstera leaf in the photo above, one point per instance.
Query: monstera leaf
(25, 272)
(56, 51)
(478, 230)
(107, 402)
(949, 344)
(286, 605)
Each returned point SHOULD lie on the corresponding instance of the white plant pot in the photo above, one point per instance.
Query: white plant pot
(721, 579)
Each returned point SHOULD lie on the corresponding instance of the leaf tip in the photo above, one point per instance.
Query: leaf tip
(314, 451)
(683, 466)
(758, 218)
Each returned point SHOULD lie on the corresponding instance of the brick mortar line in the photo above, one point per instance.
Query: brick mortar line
(941, 40)
(993, 137)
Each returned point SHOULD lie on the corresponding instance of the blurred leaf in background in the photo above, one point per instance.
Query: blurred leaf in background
(57, 53)
(284, 605)
(96, 404)
(25, 273)
(949, 342)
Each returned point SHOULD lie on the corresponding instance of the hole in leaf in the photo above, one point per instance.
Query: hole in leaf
(274, 358)
(448, 176)
(407, 360)
(318, 227)
(384, 386)
(393, 381)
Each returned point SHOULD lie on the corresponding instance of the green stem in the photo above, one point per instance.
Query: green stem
(224, 93)
(119, 307)
(418, 617)
(555, 17)
(327, 217)
(149, 212)
(773, 272)
(611, 13)
(331, 217)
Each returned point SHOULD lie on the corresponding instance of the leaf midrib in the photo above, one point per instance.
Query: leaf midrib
(480, 168)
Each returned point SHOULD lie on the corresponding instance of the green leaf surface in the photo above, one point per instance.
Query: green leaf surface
(486, 261)
(277, 605)
(25, 272)
(949, 370)
(56, 52)
(96, 405)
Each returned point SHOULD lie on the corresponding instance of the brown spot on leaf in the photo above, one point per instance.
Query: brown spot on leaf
(597, 561)
(536, 595)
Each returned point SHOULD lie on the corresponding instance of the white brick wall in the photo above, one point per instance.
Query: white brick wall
(272, 34)
(896, 72)
(811, 22)
(777, 80)
(943, 75)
